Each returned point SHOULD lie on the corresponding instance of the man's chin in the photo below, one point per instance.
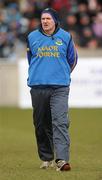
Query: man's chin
(46, 29)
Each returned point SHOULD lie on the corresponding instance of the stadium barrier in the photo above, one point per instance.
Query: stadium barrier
(86, 86)
(9, 82)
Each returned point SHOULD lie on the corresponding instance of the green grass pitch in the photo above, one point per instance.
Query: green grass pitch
(18, 151)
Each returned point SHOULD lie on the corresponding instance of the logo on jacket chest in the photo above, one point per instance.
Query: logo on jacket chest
(59, 42)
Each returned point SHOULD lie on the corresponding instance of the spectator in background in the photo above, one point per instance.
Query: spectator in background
(13, 13)
(1, 5)
(70, 24)
(28, 10)
(83, 7)
(13, 19)
(93, 43)
(23, 29)
(73, 6)
(3, 23)
(84, 21)
(39, 6)
(6, 46)
(88, 38)
(62, 6)
(94, 6)
(34, 23)
(97, 27)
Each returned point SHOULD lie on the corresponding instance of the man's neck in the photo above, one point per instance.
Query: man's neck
(48, 33)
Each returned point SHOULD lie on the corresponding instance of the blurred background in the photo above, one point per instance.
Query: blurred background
(82, 18)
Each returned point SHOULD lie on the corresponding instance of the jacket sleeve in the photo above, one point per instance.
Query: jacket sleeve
(72, 55)
(29, 54)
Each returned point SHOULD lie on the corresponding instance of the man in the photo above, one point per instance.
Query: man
(52, 57)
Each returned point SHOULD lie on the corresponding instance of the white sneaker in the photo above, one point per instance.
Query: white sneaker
(47, 164)
(63, 166)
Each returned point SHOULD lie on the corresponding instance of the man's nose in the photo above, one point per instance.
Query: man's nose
(45, 20)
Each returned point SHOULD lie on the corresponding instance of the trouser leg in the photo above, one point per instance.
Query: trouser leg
(60, 122)
(43, 123)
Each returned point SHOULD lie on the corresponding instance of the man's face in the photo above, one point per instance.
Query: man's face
(48, 23)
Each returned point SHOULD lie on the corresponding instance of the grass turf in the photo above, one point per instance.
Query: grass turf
(18, 151)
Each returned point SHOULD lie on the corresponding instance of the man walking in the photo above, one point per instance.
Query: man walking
(52, 57)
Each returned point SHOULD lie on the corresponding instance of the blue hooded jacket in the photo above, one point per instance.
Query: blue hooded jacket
(51, 58)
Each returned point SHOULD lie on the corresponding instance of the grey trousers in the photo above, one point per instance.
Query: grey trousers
(51, 122)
